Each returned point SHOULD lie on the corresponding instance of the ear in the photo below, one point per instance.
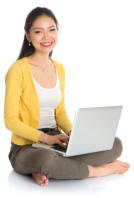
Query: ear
(27, 36)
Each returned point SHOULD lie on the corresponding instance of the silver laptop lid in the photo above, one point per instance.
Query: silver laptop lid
(94, 129)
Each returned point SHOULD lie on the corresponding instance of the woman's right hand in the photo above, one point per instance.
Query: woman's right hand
(54, 139)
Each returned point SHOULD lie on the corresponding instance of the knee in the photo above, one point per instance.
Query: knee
(42, 155)
(45, 157)
(118, 146)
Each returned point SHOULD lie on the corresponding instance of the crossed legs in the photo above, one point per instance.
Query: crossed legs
(44, 164)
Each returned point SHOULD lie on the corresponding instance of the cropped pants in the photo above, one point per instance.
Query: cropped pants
(27, 160)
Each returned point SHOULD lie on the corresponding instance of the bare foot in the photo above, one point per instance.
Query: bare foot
(117, 166)
(40, 179)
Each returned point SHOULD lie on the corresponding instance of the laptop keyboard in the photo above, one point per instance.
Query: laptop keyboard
(59, 148)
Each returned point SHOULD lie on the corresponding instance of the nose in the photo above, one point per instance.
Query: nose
(45, 36)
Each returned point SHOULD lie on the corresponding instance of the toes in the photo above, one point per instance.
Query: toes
(44, 180)
(44, 183)
(126, 165)
(123, 164)
(44, 177)
(40, 179)
(123, 170)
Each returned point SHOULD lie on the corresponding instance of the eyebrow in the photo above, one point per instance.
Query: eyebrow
(43, 28)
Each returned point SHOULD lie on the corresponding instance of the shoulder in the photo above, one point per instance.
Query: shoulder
(18, 64)
(58, 65)
(16, 68)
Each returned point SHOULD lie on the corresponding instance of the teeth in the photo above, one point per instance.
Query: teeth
(47, 44)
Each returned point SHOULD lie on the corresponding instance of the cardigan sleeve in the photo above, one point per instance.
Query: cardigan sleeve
(14, 88)
(62, 117)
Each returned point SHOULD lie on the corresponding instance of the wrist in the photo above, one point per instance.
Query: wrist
(43, 138)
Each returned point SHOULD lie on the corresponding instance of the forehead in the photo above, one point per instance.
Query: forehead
(43, 22)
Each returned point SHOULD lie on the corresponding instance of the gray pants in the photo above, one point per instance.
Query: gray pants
(27, 160)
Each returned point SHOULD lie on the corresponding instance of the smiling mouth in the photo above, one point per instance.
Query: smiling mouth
(47, 44)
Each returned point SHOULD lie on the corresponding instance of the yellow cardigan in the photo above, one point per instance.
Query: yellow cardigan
(21, 107)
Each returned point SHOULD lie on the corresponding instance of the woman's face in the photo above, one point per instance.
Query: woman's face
(43, 34)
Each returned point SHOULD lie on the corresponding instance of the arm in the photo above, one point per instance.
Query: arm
(69, 133)
(62, 118)
(13, 92)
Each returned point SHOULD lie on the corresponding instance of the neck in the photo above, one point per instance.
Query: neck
(40, 59)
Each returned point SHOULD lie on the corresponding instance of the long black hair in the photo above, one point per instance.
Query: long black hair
(27, 50)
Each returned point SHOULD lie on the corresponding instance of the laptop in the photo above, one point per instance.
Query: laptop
(93, 130)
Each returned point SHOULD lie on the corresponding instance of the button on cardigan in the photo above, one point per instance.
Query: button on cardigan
(21, 106)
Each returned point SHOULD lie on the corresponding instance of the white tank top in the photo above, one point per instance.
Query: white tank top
(49, 98)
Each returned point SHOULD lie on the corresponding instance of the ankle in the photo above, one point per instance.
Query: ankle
(91, 171)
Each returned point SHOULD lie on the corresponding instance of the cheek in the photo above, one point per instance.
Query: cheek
(55, 37)
(36, 39)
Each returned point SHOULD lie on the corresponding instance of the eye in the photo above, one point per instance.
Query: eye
(52, 29)
(37, 32)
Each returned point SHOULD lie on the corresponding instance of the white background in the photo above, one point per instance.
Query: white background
(96, 48)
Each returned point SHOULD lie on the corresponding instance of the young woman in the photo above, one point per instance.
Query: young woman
(35, 110)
